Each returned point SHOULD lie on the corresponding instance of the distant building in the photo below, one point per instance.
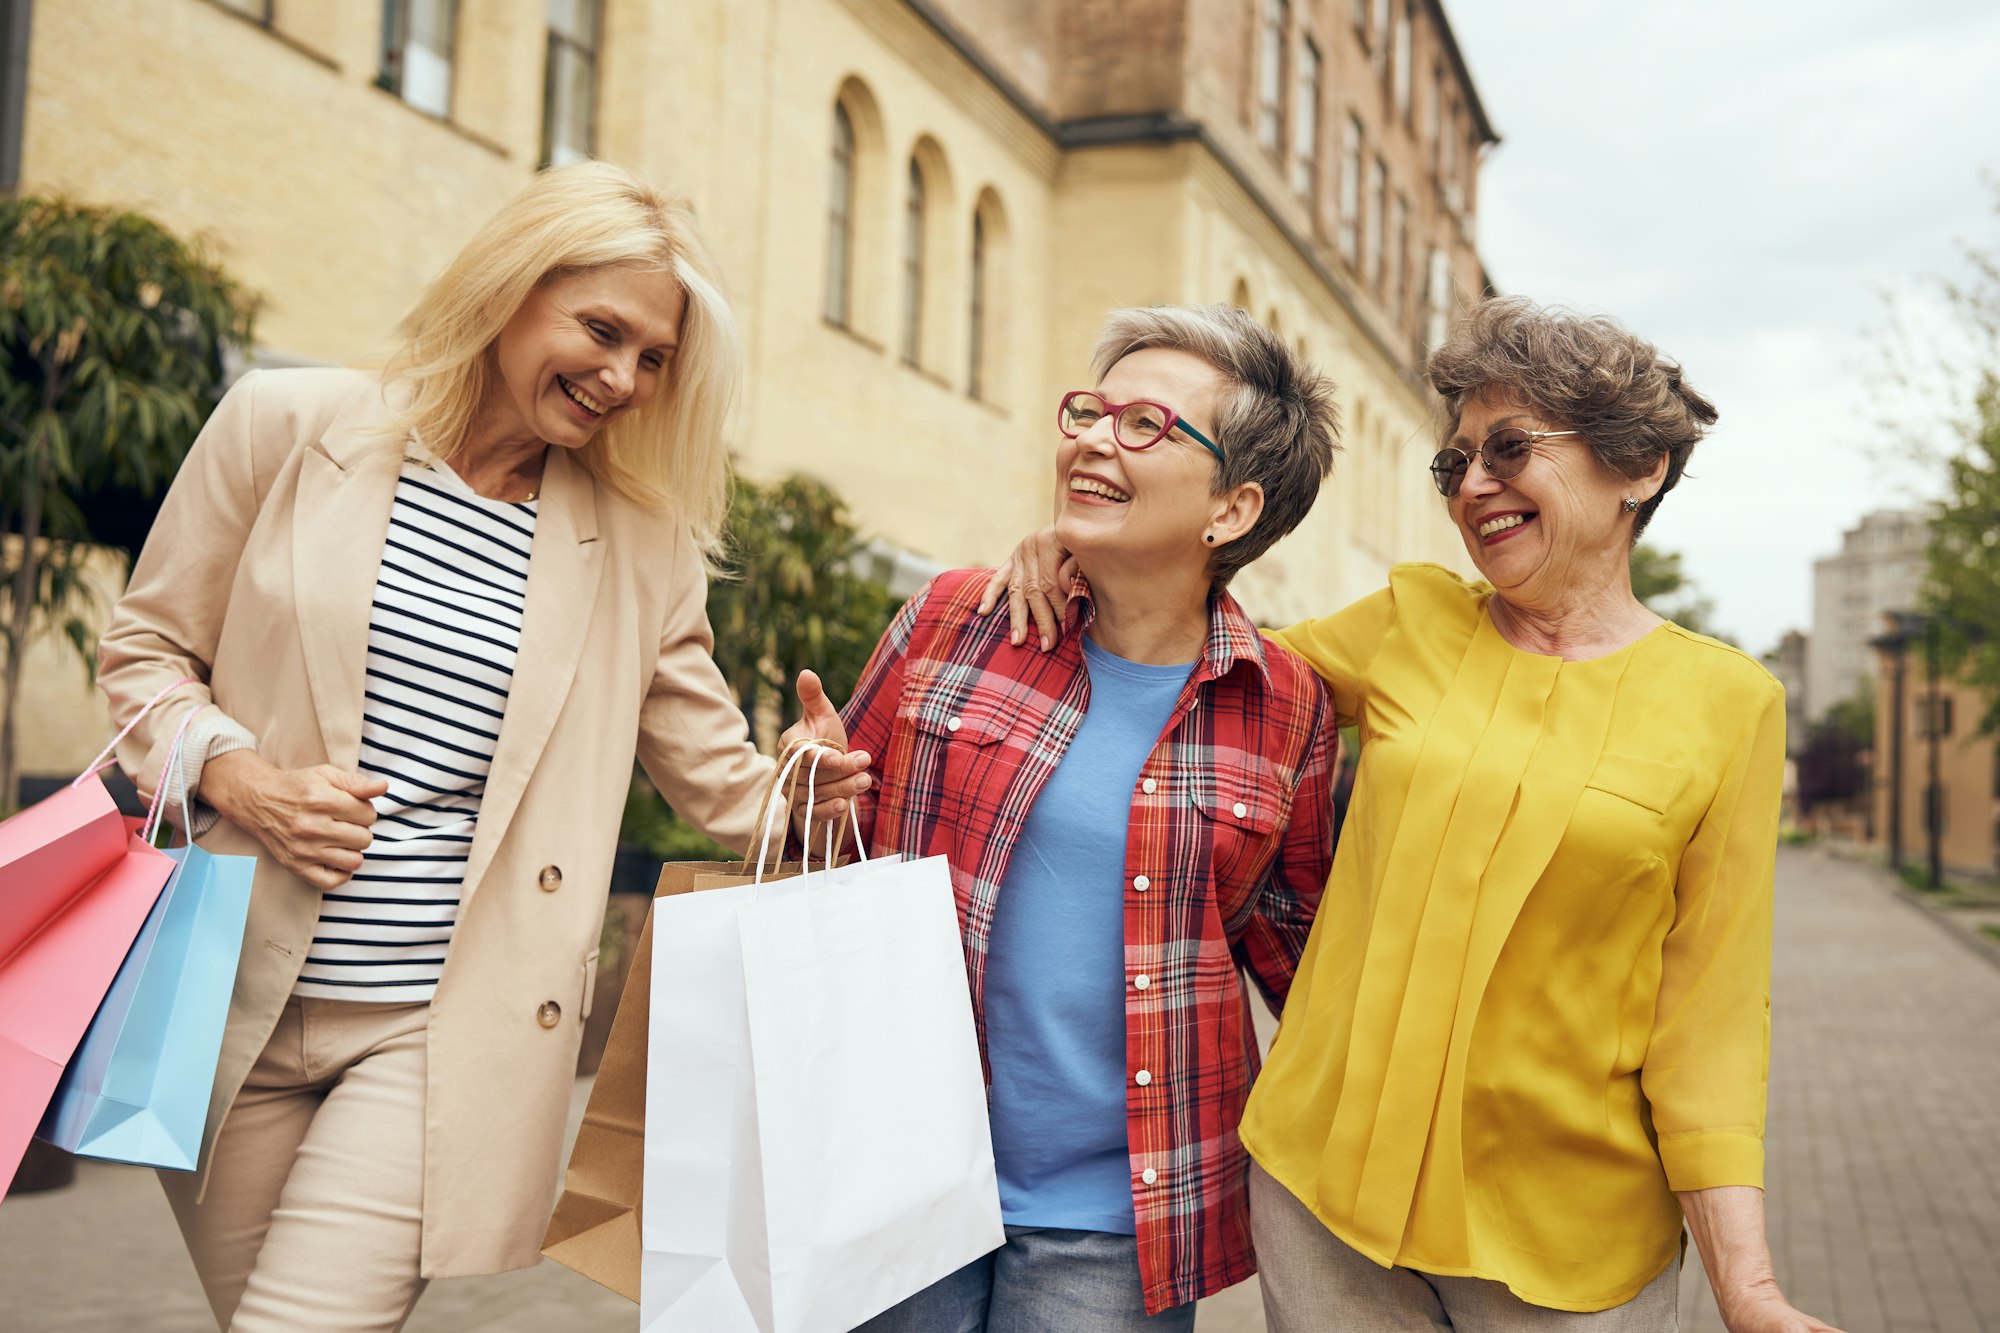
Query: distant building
(1788, 663)
(1878, 570)
(923, 209)
(1938, 723)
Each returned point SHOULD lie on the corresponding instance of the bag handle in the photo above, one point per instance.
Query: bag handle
(104, 760)
(175, 773)
(779, 798)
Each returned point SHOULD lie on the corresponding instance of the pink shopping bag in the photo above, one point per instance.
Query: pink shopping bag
(76, 884)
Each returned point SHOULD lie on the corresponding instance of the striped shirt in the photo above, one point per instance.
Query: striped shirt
(442, 637)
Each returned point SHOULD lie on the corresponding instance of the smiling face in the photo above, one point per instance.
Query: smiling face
(1118, 506)
(584, 349)
(1556, 527)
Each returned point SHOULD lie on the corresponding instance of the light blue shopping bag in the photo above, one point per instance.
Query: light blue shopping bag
(137, 1088)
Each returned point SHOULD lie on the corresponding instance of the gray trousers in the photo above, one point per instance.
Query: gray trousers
(1314, 1282)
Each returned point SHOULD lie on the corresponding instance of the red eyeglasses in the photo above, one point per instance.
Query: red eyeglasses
(1134, 426)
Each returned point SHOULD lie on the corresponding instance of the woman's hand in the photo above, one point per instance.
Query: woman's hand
(1037, 579)
(313, 820)
(840, 777)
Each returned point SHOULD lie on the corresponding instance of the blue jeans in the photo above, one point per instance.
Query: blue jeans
(1043, 1280)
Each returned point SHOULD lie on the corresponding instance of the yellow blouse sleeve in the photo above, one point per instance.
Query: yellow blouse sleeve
(1709, 1059)
(1340, 646)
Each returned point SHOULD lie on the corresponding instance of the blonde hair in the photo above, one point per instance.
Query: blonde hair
(669, 455)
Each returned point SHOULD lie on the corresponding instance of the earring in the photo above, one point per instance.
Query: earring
(1631, 505)
(1208, 537)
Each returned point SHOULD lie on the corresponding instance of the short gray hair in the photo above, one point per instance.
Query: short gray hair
(1590, 374)
(1276, 423)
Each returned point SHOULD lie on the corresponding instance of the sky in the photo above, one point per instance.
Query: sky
(1750, 187)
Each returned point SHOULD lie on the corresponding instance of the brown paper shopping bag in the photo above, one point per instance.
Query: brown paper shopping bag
(595, 1229)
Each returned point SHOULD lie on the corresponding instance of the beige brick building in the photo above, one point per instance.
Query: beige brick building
(923, 207)
(1929, 754)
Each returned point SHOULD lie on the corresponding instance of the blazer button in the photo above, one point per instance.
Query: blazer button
(551, 879)
(549, 1014)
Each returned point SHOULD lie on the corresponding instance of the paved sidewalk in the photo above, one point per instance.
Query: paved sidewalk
(1884, 1160)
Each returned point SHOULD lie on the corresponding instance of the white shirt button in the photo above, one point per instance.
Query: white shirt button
(953, 725)
(1141, 883)
(1142, 981)
(1149, 1175)
(1143, 1077)
(1239, 809)
(1149, 786)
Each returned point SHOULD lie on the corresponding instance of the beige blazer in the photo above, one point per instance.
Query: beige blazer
(257, 580)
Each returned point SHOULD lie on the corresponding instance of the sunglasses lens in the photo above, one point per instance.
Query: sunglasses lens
(1448, 470)
(1506, 453)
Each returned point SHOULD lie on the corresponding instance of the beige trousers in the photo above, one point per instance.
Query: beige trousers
(314, 1212)
(1314, 1282)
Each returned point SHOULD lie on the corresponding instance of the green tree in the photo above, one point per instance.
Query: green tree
(1939, 401)
(1962, 576)
(795, 597)
(113, 334)
(1659, 582)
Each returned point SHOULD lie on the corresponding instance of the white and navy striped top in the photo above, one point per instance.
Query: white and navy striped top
(442, 638)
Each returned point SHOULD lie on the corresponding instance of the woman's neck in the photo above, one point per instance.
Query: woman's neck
(499, 463)
(1587, 623)
(1156, 621)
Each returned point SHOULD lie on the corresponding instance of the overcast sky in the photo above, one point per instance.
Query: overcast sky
(1741, 183)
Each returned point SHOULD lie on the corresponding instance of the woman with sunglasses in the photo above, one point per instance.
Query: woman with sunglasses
(1529, 1035)
(1129, 819)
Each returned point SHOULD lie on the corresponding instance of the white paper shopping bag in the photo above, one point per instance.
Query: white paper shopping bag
(817, 1146)
(876, 1155)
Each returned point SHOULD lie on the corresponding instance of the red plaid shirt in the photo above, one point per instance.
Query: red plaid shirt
(1227, 850)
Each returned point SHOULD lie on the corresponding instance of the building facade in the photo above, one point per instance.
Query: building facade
(1930, 757)
(1877, 571)
(923, 208)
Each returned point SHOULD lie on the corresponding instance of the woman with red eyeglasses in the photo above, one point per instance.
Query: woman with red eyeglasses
(1528, 1040)
(1130, 819)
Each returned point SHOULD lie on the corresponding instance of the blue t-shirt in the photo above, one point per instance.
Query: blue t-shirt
(1055, 966)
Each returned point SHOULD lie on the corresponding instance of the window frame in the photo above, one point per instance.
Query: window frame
(1353, 159)
(838, 306)
(392, 73)
(558, 43)
(1305, 123)
(1273, 43)
(915, 219)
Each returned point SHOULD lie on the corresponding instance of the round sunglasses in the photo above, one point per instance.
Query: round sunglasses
(1504, 454)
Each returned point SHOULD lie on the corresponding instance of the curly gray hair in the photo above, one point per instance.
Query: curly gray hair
(1586, 373)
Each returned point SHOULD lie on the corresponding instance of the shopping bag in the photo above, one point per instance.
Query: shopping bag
(50, 853)
(816, 1141)
(595, 1227)
(137, 1088)
(76, 885)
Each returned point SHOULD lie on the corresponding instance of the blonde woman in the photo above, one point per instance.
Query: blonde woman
(435, 613)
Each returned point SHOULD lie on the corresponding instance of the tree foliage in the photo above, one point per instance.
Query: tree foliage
(1962, 576)
(113, 334)
(1659, 582)
(795, 597)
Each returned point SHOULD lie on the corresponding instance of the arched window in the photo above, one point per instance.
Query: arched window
(840, 220)
(1240, 297)
(976, 335)
(913, 266)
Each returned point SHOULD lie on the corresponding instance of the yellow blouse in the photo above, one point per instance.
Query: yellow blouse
(1536, 1001)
